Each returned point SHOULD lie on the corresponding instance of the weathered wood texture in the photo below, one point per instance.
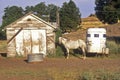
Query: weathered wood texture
(30, 35)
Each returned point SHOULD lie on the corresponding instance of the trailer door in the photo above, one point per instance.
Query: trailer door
(93, 43)
(96, 40)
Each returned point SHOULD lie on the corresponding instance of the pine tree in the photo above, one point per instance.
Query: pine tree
(11, 14)
(108, 10)
(69, 16)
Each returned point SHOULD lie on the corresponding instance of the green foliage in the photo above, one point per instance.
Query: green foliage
(59, 51)
(58, 34)
(2, 34)
(40, 9)
(11, 14)
(69, 16)
(46, 12)
(113, 47)
(108, 11)
(29, 9)
(51, 9)
(87, 76)
(99, 75)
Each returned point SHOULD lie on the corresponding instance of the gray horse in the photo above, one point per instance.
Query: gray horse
(70, 44)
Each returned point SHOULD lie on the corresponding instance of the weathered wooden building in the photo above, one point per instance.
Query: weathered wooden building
(30, 35)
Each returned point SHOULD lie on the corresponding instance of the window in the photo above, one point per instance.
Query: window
(96, 35)
(104, 35)
(88, 35)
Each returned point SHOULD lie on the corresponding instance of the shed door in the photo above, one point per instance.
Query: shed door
(31, 42)
(38, 41)
(27, 41)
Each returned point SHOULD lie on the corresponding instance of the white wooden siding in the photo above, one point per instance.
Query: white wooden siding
(31, 42)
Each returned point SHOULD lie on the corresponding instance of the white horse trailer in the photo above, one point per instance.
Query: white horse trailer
(96, 40)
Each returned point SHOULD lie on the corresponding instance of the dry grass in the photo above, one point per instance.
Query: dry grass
(57, 69)
(79, 34)
(54, 68)
(3, 46)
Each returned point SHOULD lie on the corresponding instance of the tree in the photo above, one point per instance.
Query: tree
(108, 11)
(69, 16)
(116, 4)
(10, 15)
(47, 13)
(29, 9)
(40, 9)
(52, 9)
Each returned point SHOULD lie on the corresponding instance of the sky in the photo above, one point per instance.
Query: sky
(86, 7)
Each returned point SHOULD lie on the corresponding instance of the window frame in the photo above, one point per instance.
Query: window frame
(88, 35)
(96, 35)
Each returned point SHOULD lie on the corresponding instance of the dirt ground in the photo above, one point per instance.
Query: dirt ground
(54, 68)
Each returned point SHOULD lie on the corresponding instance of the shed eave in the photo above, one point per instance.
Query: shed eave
(36, 17)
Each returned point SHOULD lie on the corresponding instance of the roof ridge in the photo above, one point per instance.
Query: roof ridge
(33, 15)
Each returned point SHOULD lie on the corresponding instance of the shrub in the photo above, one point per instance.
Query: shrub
(58, 34)
(2, 34)
(87, 76)
(113, 47)
(59, 53)
(99, 75)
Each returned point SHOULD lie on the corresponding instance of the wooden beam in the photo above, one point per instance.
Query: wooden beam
(51, 39)
(14, 35)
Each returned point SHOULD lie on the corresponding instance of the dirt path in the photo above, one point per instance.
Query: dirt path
(53, 68)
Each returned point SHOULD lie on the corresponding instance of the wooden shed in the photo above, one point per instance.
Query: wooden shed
(30, 35)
